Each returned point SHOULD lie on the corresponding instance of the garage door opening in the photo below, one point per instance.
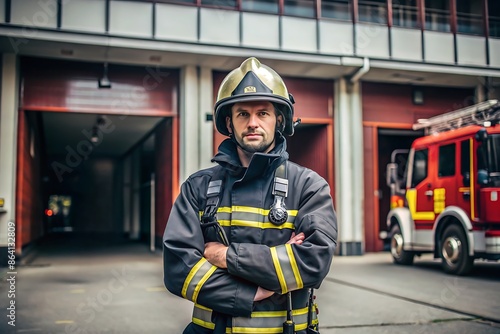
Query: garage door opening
(78, 181)
(390, 140)
(105, 149)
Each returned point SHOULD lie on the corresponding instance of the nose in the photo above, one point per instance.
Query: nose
(253, 121)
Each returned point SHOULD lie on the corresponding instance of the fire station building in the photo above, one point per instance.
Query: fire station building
(106, 105)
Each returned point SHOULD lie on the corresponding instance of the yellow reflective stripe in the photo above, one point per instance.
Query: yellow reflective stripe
(286, 268)
(248, 209)
(270, 322)
(258, 322)
(268, 314)
(251, 209)
(244, 330)
(279, 272)
(203, 323)
(255, 224)
(195, 284)
(472, 181)
(295, 267)
(202, 307)
(201, 282)
(411, 197)
(191, 274)
(439, 200)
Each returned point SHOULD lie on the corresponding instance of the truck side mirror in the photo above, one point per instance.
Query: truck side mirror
(483, 177)
(391, 173)
(481, 135)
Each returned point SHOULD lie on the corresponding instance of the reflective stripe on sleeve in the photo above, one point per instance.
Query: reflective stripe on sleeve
(196, 278)
(286, 268)
(202, 316)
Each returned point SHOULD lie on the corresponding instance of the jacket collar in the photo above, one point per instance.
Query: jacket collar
(260, 165)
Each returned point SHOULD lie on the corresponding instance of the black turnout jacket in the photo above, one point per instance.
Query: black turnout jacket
(258, 254)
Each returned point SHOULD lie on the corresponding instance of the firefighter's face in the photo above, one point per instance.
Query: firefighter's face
(253, 125)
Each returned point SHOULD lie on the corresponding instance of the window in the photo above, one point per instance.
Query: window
(264, 6)
(446, 160)
(303, 8)
(336, 9)
(465, 158)
(193, 2)
(494, 151)
(465, 162)
(494, 18)
(419, 167)
(220, 3)
(372, 11)
(437, 15)
(405, 13)
(470, 17)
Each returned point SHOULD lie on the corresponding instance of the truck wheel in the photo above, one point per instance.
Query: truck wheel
(455, 251)
(399, 255)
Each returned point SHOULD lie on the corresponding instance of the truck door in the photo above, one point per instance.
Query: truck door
(464, 190)
(448, 181)
(420, 195)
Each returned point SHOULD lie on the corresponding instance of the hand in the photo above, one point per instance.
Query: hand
(297, 239)
(262, 294)
(215, 253)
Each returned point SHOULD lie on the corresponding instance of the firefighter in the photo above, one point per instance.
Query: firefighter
(248, 239)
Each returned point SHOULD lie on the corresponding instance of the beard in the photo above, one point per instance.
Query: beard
(253, 146)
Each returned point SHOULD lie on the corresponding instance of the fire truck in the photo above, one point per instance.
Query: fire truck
(445, 190)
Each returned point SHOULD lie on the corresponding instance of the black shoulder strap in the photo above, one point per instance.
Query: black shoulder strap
(214, 190)
(280, 187)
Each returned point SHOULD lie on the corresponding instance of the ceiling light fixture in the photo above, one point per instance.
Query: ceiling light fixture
(104, 80)
(95, 129)
(95, 135)
(417, 96)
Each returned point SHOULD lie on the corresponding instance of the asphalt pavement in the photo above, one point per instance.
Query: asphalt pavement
(92, 285)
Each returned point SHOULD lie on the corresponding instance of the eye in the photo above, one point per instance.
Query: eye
(242, 114)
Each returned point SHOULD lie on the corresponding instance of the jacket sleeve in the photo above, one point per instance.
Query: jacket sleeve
(284, 268)
(187, 273)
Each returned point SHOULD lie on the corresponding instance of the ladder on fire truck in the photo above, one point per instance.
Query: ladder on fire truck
(486, 113)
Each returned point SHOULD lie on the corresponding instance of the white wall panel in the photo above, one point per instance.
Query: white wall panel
(372, 40)
(336, 37)
(131, 18)
(494, 52)
(42, 14)
(84, 15)
(176, 22)
(219, 26)
(299, 34)
(438, 47)
(406, 44)
(260, 30)
(471, 50)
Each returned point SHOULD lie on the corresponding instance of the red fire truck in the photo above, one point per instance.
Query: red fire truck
(445, 198)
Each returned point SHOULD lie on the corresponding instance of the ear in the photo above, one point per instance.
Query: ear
(228, 124)
(279, 121)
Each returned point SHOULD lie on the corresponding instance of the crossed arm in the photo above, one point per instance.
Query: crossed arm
(215, 253)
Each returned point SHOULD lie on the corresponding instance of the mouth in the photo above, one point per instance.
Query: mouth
(252, 135)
